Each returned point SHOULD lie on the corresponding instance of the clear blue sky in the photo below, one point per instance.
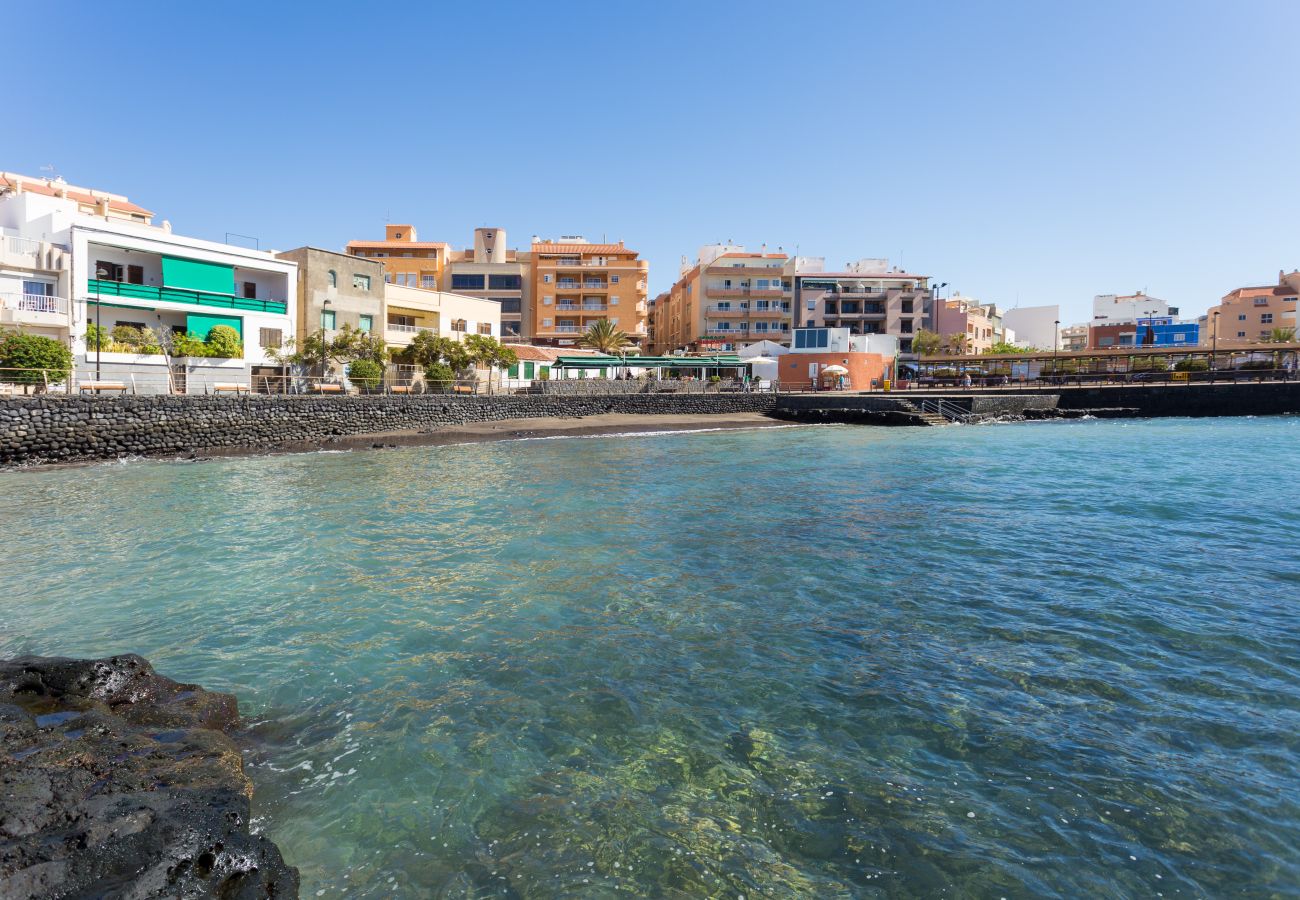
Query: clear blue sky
(1039, 152)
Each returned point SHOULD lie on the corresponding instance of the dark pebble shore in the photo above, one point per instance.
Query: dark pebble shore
(116, 781)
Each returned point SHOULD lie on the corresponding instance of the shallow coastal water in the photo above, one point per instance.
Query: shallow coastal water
(1052, 659)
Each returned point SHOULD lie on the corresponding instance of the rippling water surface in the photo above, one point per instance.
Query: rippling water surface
(1056, 659)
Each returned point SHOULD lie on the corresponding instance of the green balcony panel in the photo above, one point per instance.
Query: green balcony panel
(195, 275)
(182, 295)
(200, 325)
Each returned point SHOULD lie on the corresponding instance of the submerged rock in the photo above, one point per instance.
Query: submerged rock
(116, 781)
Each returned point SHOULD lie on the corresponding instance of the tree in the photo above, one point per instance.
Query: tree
(1002, 348)
(604, 337)
(33, 359)
(1281, 336)
(958, 342)
(428, 349)
(223, 341)
(489, 353)
(316, 348)
(926, 342)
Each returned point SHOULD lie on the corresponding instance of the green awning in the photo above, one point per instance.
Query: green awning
(200, 325)
(197, 275)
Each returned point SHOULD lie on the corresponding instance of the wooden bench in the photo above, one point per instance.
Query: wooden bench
(400, 389)
(230, 387)
(462, 389)
(328, 388)
(98, 387)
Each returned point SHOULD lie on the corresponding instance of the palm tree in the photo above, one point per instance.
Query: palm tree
(604, 337)
(1281, 336)
(958, 342)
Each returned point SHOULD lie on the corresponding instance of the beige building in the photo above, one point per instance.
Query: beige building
(1073, 337)
(407, 261)
(727, 300)
(337, 290)
(494, 272)
(408, 311)
(980, 322)
(576, 283)
(1249, 315)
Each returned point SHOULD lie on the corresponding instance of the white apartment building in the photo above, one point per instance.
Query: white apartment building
(1033, 326)
(1117, 309)
(120, 272)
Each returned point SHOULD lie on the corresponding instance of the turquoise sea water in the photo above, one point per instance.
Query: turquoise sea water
(1051, 659)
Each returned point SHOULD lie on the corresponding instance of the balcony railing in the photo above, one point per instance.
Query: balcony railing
(743, 292)
(564, 329)
(40, 303)
(405, 329)
(153, 294)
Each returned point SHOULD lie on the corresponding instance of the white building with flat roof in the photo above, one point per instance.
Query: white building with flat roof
(1034, 326)
(1117, 309)
(150, 294)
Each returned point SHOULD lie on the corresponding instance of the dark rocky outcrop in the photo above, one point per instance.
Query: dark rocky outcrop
(116, 781)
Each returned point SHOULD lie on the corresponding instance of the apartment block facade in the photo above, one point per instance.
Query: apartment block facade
(729, 299)
(407, 261)
(1113, 308)
(336, 290)
(492, 271)
(981, 323)
(867, 297)
(576, 283)
(1250, 315)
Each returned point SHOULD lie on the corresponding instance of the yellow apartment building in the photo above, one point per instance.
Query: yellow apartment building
(1249, 315)
(730, 298)
(408, 261)
(575, 283)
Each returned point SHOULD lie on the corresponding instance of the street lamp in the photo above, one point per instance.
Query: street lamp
(324, 361)
(100, 274)
(1056, 343)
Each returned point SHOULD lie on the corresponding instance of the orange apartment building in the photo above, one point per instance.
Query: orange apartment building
(575, 283)
(730, 298)
(408, 261)
(1249, 315)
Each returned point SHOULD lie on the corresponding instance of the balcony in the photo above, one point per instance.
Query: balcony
(151, 294)
(25, 253)
(744, 292)
(581, 307)
(33, 309)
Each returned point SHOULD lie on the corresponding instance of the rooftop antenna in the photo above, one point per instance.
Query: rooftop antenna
(49, 167)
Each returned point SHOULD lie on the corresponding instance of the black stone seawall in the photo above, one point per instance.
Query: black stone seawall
(65, 429)
(1270, 398)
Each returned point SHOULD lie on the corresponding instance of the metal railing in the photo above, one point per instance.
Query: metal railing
(950, 411)
(42, 303)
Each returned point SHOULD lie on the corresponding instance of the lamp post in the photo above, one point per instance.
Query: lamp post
(324, 360)
(100, 274)
(1056, 343)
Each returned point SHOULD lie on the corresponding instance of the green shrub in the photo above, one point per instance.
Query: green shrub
(96, 339)
(223, 341)
(439, 376)
(1256, 364)
(189, 345)
(365, 373)
(49, 359)
(715, 379)
(1192, 365)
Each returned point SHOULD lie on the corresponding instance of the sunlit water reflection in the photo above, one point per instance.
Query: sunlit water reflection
(1046, 659)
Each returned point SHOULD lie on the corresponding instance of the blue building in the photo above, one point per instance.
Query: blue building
(1163, 331)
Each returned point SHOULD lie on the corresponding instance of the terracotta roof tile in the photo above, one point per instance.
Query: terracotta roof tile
(51, 190)
(577, 249)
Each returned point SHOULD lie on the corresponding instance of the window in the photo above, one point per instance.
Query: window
(459, 325)
(112, 271)
(505, 282)
(485, 328)
(613, 301)
(269, 337)
(613, 279)
(1241, 318)
(1241, 334)
(408, 255)
(334, 278)
(38, 289)
(388, 278)
(546, 279)
(250, 290)
(429, 281)
(509, 304)
(361, 282)
(547, 300)
(327, 317)
(907, 306)
(547, 323)
(509, 329)
(365, 323)
(1261, 301)
(467, 282)
(1106, 342)
(1266, 318)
